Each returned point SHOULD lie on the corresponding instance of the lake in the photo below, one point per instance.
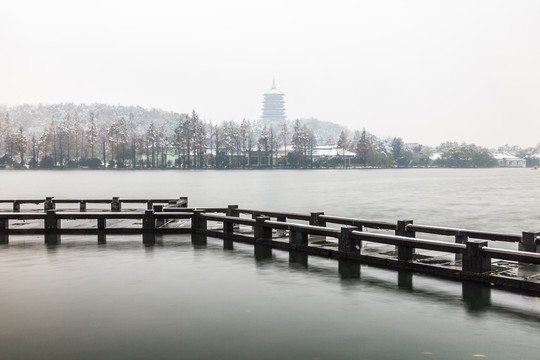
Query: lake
(182, 300)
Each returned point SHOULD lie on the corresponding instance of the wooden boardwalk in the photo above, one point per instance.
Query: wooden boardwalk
(458, 253)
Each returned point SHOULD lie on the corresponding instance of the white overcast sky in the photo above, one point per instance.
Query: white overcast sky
(427, 71)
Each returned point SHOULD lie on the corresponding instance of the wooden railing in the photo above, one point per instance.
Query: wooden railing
(474, 259)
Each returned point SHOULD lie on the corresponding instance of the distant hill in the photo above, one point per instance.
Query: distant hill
(35, 118)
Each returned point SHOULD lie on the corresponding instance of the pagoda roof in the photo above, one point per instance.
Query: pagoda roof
(273, 90)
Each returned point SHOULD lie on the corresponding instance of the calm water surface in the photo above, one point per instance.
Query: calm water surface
(183, 300)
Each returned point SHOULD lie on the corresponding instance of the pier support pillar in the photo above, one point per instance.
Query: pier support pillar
(149, 226)
(116, 205)
(299, 258)
(228, 229)
(262, 231)
(262, 252)
(101, 225)
(52, 225)
(198, 239)
(473, 260)
(232, 210)
(405, 279)
(4, 227)
(348, 269)
(298, 237)
(476, 295)
(405, 253)
(345, 243)
(16, 206)
(197, 222)
(82, 206)
(49, 204)
(528, 241)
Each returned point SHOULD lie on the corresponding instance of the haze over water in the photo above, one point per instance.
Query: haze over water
(179, 300)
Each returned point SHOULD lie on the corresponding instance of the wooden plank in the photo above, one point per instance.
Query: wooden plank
(310, 229)
(275, 214)
(473, 234)
(22, 215)
(232, 219)
(358, 222)
(99, 215)
(411, 242)
(173, 215)
(512, 255)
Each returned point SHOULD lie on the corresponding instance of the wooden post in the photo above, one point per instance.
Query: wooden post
(149, 225)
(4, 227)
(473, 260)
(159, 208)
(16, 206)
(348, 269)
(314, 219)
(149, 220)
(49, 204)
(52, 224)
(232, 210)
(149, 205)
(476, 295)
(116, 205)
(528, 241)
(228, 227)
(461, 239)
(405, 279)
(82, 206)
(183, 201)
(254, 216)
(345, 243)
(262, 231)
(197, 223)
(405, 253)
(102, 225)
(298, 237)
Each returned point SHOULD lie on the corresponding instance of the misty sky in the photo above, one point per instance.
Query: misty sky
(427, 71)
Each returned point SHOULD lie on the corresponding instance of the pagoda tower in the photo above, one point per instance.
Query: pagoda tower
(273, 110)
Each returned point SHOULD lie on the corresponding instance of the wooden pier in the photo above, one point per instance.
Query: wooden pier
(459, 254)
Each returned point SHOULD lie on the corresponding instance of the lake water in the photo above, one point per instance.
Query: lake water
(181, 300)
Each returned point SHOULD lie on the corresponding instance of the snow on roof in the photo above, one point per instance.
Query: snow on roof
(330, 151)
(273, 91)
(501, 156)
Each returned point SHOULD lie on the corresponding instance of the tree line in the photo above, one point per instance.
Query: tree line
(74, 141)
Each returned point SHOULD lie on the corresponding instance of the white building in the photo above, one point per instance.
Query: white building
(506, 160)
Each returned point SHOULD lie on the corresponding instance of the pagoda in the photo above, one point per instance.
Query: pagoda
(273, 110)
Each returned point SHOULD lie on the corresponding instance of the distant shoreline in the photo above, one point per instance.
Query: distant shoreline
(252, 169)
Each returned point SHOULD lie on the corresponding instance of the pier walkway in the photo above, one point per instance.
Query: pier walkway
(459, 254)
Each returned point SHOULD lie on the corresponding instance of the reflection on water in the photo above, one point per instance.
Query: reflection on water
(198, 297)
(198, 300)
